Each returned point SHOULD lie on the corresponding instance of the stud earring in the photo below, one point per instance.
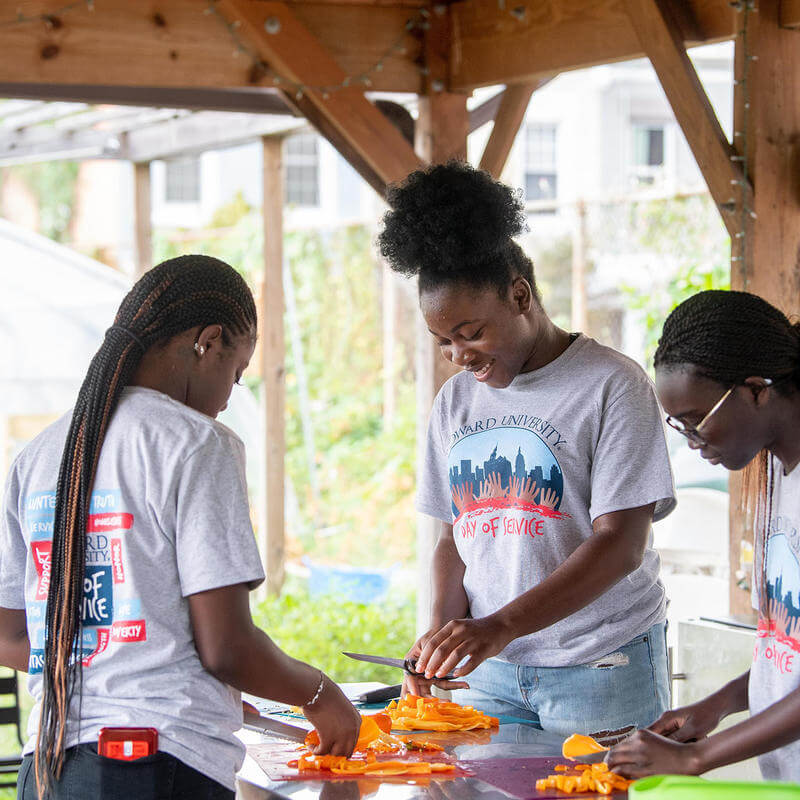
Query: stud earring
(199, 349)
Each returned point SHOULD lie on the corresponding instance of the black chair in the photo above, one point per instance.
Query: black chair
(10, 715)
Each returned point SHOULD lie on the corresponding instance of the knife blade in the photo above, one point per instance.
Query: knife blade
(255, 722)
(591, 758)
(406, 664)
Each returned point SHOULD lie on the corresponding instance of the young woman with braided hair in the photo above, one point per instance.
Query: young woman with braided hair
(545, 465)
(127, 555)
(728, 374)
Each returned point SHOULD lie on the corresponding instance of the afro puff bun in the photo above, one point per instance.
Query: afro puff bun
(452, 222)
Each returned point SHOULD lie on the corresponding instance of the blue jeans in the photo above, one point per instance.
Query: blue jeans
(627, 687)
(89, 776)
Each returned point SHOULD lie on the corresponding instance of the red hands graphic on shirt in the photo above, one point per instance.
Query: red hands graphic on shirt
(462, 496)
(548, 498)
(524, 490)
(492, 487)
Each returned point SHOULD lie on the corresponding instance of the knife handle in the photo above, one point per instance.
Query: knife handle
(381, 695)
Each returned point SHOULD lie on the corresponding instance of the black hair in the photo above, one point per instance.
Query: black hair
(178, 295)
(452, 223)
(729, 336)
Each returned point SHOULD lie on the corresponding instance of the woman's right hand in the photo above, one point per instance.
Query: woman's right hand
(336, 719)
(419, 685)
(689, 723)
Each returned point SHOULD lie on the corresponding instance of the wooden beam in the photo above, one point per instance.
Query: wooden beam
(142, 222)
(273, 354)
(510, 115)
(771, 250)
(790, 13)
(661, 38)
(182, 46)
(517, 42)
(441, 135)
(303, 62)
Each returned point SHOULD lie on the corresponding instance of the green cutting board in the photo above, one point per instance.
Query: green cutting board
(687, 787)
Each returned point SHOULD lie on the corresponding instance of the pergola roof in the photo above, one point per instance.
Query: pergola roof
(320, 57)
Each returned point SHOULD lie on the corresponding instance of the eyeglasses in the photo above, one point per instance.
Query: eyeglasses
(693, 431)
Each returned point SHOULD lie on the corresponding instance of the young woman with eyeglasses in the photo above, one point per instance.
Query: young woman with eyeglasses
(728, 374)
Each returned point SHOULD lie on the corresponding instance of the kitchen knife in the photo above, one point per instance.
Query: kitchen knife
(380, 695)
(406, 664)
(271, 727)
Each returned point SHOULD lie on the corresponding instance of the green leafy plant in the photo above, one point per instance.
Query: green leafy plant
(687, 233)
(317, 630)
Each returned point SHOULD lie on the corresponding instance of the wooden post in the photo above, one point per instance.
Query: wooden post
(767, 261)
(142, 223)
(273, 350)
(440, 135)
(389, 326)
(579, 301)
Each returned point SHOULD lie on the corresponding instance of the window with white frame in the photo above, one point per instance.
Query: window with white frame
(648, 153)
(302, 170)
(541, 178)
(648, 145)
(182, 180)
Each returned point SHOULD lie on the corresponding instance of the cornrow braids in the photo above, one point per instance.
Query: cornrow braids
(177, 295)
(728, 337)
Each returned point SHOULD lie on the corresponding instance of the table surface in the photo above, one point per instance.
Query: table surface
(505, 763)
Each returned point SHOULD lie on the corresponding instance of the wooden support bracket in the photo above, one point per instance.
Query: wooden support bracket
(375, 147)
(509, 117)
(660, 36)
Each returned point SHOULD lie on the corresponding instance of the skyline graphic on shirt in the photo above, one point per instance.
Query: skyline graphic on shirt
(783, 593)
(504, 468)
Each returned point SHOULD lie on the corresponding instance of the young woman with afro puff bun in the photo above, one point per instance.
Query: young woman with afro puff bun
(546, 463)
(728, 373)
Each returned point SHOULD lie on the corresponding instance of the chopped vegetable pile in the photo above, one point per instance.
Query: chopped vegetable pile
(579, 778)
(412, 713)
(339, 765)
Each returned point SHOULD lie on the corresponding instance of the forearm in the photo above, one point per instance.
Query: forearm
(590, 571)
(774, 727)
(449, 599)
(15, 654)
(732, 697)
(15, 646)
(255, 664)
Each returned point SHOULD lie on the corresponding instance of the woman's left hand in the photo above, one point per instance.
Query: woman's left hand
(647, 753)
(477, 638)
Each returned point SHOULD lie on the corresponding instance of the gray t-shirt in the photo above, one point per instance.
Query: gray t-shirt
(168, 518)
(775, 671)
(522, 472)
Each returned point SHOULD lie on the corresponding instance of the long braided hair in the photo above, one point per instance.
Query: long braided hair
(177, 295)
(728, 337)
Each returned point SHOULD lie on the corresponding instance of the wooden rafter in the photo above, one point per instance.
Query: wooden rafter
(510, 115)
(790, 13)
(516, 42)
(354, 125)
(661, 39)
(176, 44)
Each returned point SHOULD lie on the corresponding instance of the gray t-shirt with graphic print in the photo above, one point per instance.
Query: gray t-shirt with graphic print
(522, 472)
(775, 671)
(168, 518)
